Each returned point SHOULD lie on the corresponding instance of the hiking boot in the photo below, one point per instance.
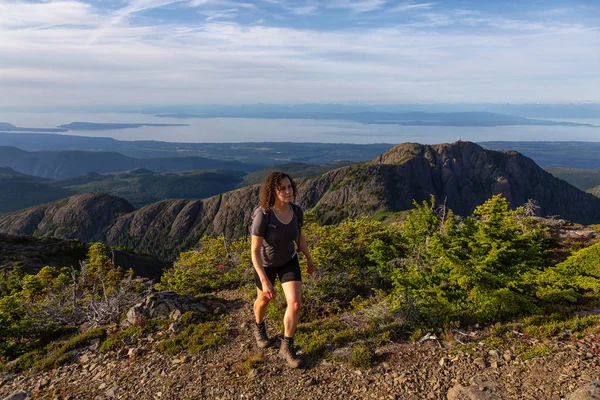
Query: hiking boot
(260, 334)
(287, 352)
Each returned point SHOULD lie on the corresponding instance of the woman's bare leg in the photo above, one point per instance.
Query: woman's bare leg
(260, 306)
(293, 297)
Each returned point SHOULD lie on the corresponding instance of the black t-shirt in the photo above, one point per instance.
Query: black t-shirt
(279, 239)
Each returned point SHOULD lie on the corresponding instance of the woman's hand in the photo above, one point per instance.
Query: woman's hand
(310, 266)
(268, 289)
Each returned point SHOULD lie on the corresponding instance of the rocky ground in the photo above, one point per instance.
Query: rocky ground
(430, 369)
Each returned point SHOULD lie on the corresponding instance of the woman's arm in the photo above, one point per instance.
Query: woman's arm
(310, 266)
(267, 286)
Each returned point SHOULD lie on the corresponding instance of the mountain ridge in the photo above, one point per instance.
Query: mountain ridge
(72, 163)
(461, 174)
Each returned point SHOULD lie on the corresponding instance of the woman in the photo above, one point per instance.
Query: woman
(276, 231)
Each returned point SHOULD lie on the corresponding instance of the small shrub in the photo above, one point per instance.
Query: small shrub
(494, 342)
(107, 345)
(314, 343)
(361, 357)
(218, 264)
(416, 335)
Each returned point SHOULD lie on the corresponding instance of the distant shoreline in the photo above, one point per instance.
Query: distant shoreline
(78, 126)
(466, 119)
(93, 126)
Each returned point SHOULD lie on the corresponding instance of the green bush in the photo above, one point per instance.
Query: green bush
(218, 264)
(352, 259)
(35, 308)
(479, 269)
(573, 279)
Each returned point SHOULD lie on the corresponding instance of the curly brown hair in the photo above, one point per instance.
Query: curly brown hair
(271, 183)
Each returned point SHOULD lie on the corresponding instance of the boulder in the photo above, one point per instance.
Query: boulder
(17, 396)
(460, 392)
(589, 391)
(165, 305)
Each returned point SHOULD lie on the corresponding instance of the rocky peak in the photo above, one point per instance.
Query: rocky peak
(82, 216)
(439, 154)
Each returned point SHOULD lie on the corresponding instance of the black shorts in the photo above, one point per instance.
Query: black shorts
(288, 272)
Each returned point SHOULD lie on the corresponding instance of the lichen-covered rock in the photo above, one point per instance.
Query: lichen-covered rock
(460, 392)
(163, 305)
(589, 391)
(17, 396)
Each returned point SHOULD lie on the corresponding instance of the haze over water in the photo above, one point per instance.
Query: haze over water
(297, 130)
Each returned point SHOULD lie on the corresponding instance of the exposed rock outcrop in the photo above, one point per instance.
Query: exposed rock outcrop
(462, 173)
(84, 217)
(168, 305)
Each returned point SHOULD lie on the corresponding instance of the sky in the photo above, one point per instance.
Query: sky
(107, 52)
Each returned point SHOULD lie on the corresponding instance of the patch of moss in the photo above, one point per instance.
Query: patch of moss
(251, 361)
(196, 338)
(56, 353)
(494, 342)
(536, 351)
(546, 326)
(127, 335)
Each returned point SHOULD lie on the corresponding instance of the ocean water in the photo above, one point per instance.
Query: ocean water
(296, 130)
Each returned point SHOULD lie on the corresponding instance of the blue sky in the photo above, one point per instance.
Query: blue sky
(70, 52)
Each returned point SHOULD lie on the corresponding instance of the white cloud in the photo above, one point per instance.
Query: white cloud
(553, 12)
(432, 20)
(222, 3)
(122, 14)
(20, 14)
(212, 15)
(223, 62)
(304, 10)
(358, 6)
(411, 7)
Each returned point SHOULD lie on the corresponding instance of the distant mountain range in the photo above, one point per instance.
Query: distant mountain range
(580, 155)
(19, 191)
(462, 174)
(567, 154)
(415, 118)
(140, 187)
(66, 164)
(531, 110)
(296, 170)
(256, 153)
